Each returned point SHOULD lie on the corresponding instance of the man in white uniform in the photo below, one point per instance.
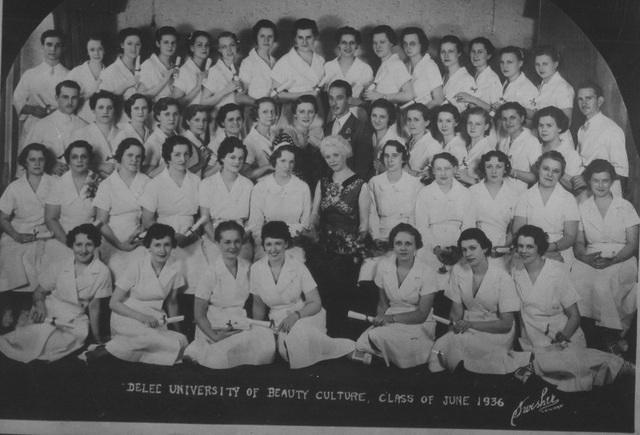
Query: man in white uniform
(600, 137)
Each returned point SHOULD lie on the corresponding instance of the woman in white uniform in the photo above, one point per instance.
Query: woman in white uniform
(223, 85)
(122, 77)
(87, 75)
(226, 196)
(255, 69)
(259, 141)
(456, 77)
(444, 129)
(425, 74)
(551, 124)
(443, 210)
(517, 87)
(118, 208)
(383, 121)
(102, 132)
(224, 336)
(401, 333)
(488, 88)
(188, 84)
(484, 307)
(139, 330)
(195, 127)
(23, 229)
(347, 65)
(136, 107)
(522, 147)
(166, 112)
(158, 72)
(392, 80)
(284, 291)
(68, 290)
(606, 271)
(550, 320)
(549, 206)
(476, 133)
(421, 145)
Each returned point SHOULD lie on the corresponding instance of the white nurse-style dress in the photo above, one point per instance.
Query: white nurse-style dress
(521, 90)
(459, 81)
(104, 147)
(422, 151)
(70, 295)
(116, 76)
(426, 77)
(255, 74)
(188, 79)
(152, 73)
(83, 76)
(391, 75)
(226, 295)
(359, 75)
(132, 340)
(307, 342)
(405, 345)
(494, 214)
(481, 352)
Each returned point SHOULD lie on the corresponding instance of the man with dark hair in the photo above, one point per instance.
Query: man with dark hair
(345, 124)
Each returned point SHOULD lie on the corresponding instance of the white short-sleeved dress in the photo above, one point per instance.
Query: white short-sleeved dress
(133, 341)
(359, 75)
(607, 295)
(188, 78)
(258, 148)
(459, 81)
(493, 215)
(296, 74)
(255, 74)
(405, 345)
(307, 342)
(482, 352)
(391, 75)
(422, 152)
(574, 368)
(127, 131)
(115, 76)
(20, 262)
(70, 295)
(152, 71)
(226, 295)
(488, 86)
(457, 147)
(559, 93)
(426, 77)
(521, 90)
(523, 152)
(392, 203)
(104, 147)
(220, 75)
(83, 76)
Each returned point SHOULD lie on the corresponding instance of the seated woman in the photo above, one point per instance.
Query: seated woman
(550, 320)
(488, 89)
(136, 107)
(606, 272)
(68, 289)
(259, 141)
(224, 336)
(479, 140)
(138, 322)
(118, 207)
(421, 145)
(166, 112)
(226, 196)
(284, 290)
(444, 129)
(23, 229)
(484, 306)
(406, 294)
(550, 207)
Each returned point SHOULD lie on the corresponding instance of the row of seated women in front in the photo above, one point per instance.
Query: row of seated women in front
(486, 301)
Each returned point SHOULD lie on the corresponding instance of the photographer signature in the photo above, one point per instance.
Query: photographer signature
(545, 403)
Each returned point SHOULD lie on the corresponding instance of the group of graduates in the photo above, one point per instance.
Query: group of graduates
(426, 176)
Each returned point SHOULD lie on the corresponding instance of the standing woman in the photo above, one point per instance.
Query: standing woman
(552, 123)
(255, 69)
(517, 87)
(260, 139)
(138, 320)
(166, 112)
(87, 75)
(220, 298)
(421, 145)
(425, 74)
(549, 206)
(444, 128)
(136, 107)
(347, 65)
(606, 272)
(383, 122)
(478, 138)
(121, 77)
(157, 73)
(223, 86)
(341, 213)
(101, 133)
(22, 220)
(225, 196)
(443, 211)
(520, 145)
(118, 208)
(550, 320)
(488, 89)
(392, 81)
(456, 77)
(68, 290)
(406, 290)
(195, 127)
(284, 290)
(484, 305)
(188, 84)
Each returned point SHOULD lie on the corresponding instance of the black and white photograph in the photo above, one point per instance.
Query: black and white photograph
(343, 216)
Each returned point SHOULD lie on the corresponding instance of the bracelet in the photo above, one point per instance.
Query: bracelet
(298, 313)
